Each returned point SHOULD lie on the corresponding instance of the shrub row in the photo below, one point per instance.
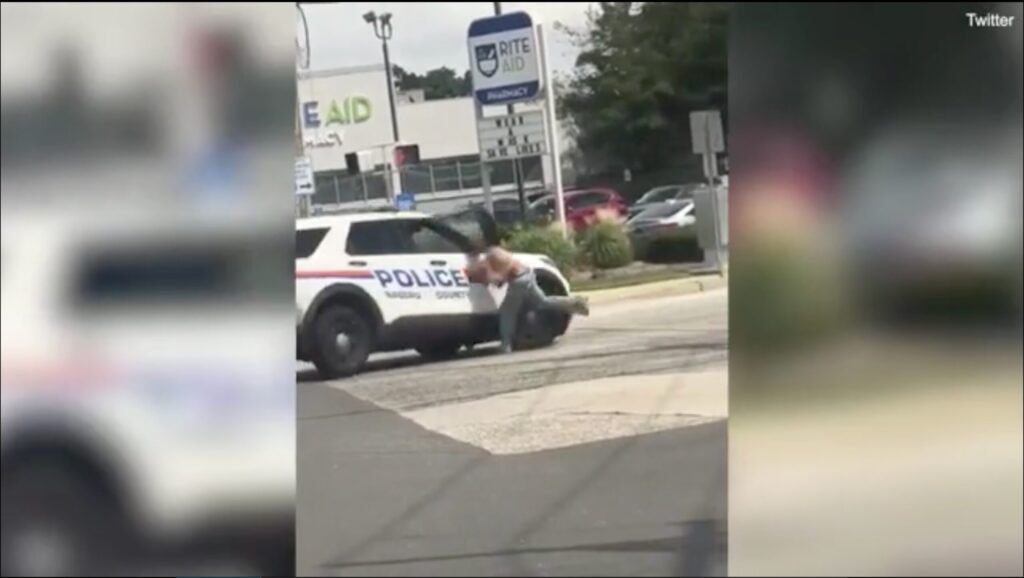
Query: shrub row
(602, 245)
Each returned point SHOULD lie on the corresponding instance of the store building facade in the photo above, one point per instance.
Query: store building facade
(347, 110)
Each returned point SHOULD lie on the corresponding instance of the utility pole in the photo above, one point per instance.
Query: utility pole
(305, 202)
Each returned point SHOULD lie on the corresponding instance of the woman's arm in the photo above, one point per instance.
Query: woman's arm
(477, 270)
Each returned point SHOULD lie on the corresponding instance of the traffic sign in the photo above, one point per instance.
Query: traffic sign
(405, 201)
(503, 59)
(304, 182)
(512, 136)
(706, 132)
(407, 155)
(708, 139)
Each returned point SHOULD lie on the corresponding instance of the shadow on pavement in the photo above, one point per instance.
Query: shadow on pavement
(701, 551)
(414, 360)
(410, 359)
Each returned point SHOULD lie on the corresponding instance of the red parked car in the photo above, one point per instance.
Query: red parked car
(581, 206)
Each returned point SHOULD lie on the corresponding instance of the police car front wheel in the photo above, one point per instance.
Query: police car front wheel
(58, 522)
(342, 341)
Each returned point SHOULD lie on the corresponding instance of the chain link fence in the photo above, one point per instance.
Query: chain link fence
(433, 178)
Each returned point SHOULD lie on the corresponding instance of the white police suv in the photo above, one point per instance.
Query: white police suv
(388, 281)
(148, 414)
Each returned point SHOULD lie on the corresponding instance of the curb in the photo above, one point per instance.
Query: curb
(688, 285)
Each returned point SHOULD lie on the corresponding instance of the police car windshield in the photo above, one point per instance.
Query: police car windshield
(307, 241)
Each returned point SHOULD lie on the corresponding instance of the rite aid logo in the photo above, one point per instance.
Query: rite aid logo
(487, 59)
(352, 110)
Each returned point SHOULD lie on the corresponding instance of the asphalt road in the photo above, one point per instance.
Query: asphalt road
(643, 336)
(380, 494)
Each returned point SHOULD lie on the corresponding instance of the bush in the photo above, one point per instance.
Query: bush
(544, 241)
(784, 298)
(605, 245)
(505, 232)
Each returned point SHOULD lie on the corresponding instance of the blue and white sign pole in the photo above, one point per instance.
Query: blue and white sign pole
(508, 66)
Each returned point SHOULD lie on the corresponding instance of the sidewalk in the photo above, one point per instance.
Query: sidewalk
(582, 412)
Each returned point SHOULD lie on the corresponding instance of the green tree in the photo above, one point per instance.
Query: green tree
(438, 83)
(404, 79)
(642, 67)
(441, 83)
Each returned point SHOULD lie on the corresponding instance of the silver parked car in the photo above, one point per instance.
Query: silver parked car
(663, 194)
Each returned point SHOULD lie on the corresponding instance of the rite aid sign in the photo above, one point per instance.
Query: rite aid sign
(503, 59)
(339, 113)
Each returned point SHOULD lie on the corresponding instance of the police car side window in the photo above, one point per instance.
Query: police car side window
(175, 273)
(391, 237)
(430, 237)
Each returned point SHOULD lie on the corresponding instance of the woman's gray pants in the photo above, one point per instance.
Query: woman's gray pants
(523, 291)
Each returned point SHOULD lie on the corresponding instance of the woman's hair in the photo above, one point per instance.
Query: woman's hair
(489, 229)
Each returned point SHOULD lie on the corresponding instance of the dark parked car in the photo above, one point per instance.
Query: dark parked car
(663, 194)
(506, 211)
(534, 196)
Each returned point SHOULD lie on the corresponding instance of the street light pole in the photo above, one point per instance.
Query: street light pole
(382, 30)
(391, 91)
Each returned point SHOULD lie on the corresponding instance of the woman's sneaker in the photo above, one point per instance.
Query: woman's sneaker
(582, 306)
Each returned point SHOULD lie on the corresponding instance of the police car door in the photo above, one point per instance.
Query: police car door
(400, 279)
(442, 254)
(476, 229)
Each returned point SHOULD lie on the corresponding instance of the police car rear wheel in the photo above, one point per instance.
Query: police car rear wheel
(538, 329)
(343, 340)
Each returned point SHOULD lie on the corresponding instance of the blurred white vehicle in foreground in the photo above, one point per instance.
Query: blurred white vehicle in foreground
(146, 420)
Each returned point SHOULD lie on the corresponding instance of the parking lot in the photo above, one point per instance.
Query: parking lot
(603, 454)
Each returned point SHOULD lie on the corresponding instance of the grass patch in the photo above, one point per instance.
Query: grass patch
(628, 280)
